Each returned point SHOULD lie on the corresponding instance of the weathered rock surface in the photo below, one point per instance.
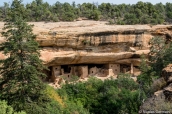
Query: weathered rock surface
(167, 73)
(162, 99)
(93, 42)
(85, 42)
(53, 57)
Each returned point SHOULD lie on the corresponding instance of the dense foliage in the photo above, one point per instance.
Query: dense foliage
(160, 54)
(20, 85)
(158, 58)
(139, 13)
(151, 79)
(105, 97)
(5, 109)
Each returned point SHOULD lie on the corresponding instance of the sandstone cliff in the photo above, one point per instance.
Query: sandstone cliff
(86, 42)
(94, 42)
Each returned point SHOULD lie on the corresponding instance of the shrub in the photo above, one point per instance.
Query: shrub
(6, 109)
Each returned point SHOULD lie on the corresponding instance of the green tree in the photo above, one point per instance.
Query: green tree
(161, 12)
(106, 10)
(105, 97)
(131, 19)
(3, 11)
(156, 54)
(21, 82)
(145, 79)
(68, 12)
(167, 56)
(6, 109)
(168, 10)
(89, 11)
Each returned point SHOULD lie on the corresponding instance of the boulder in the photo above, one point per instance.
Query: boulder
(167, 73)
(168, 92)
(132, 49)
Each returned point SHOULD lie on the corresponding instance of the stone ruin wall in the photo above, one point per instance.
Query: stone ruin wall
(84, 71)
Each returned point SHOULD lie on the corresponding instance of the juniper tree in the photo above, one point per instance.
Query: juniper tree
(20, 81)
(156, 55)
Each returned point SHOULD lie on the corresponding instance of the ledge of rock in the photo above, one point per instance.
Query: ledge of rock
(82, 43)
(52, 57)
(75, 57)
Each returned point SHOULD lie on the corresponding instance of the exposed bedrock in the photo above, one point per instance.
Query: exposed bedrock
(94, 42)
(52, 57)
(162, 98)
(86, 42)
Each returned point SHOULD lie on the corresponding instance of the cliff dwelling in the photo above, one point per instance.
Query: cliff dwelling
(67, 72)
(92, 48)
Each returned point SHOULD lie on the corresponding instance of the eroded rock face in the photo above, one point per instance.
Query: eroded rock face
(86, 42)
(162, 98)
(52, 57)
(94, 42)
(167, 73)
(168, 92)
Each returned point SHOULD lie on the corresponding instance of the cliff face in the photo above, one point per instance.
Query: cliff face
(85, 42)
(94, 42)
(97, 37)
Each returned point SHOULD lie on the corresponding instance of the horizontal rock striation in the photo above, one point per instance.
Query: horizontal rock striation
(85, 42)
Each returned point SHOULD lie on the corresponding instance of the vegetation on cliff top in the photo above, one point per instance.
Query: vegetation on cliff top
(122, 14)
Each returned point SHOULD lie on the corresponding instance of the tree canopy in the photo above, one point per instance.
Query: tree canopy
(21, 71)
(139, 13)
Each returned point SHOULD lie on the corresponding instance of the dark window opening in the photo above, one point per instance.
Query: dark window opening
(66, 68)
(95, 65)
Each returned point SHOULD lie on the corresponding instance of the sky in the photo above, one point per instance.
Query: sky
(91, 1)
